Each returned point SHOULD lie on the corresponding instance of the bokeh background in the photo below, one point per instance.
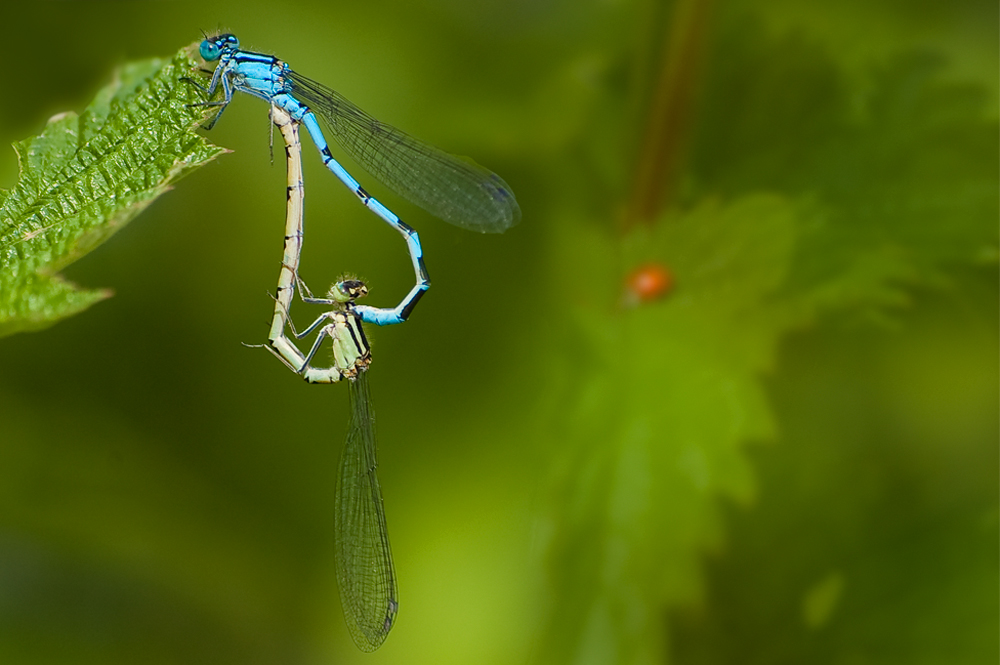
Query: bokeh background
(790, 457)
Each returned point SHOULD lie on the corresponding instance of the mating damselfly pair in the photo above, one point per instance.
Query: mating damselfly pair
(453, 189)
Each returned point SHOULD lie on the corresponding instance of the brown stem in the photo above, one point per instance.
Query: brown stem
(670, 110)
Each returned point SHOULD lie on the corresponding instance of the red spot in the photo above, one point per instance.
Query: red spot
(648, 283)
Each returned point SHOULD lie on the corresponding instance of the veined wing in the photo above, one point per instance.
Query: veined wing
(364, 561)
(455, 189)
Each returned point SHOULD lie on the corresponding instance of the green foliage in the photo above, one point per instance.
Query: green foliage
(646, 468)
(870, 199)
(876, 539)
(84, 177)
(902, 163)
(789, 458)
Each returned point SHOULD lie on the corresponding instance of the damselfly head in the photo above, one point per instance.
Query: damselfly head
(348, 290)
(211, 49)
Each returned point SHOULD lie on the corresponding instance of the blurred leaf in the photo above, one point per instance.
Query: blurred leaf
(875, 194)
(903, 162)
(876, 538)
(84, 177)
(656, 418)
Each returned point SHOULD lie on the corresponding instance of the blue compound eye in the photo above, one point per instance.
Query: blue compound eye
(209, 50)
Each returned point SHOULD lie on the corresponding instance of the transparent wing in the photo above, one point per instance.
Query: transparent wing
(364, 561)
(455, 189)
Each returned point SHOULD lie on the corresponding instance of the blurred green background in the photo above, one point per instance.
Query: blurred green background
(792, 457)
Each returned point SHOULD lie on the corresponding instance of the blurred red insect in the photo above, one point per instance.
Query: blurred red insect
(647, 283)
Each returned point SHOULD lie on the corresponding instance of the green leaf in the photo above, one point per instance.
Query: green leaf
(660, 402)
(876, 540)
(84, 177)
(902, 163)
(658, 416)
